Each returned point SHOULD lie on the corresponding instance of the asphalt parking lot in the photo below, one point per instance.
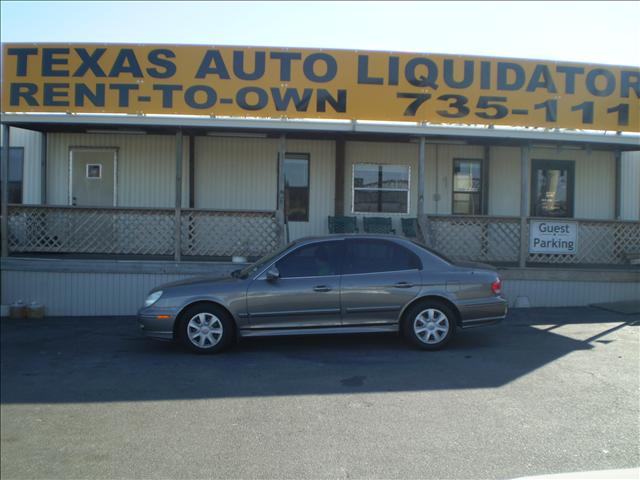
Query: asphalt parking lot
(547, 391)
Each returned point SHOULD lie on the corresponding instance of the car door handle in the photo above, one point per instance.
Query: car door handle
(403, 285)
(321, 288)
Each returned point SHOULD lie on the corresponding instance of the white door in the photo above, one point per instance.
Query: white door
(93, 177)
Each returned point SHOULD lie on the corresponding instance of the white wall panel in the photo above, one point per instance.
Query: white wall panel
(236, 173)
(146, 167)
(594, 180)
(32, 144)
(84, 294)
(504, 181)
(630, 186)
(440, 187)
(322, 164)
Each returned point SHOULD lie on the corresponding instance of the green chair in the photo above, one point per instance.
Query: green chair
(378, 225)
(343, 225)
(410, 227)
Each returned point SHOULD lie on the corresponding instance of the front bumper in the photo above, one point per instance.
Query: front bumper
(154, 327)
(480, 314)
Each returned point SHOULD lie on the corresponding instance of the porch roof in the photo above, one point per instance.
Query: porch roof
(318, 128)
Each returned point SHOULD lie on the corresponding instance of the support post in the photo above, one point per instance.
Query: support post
(178, 205)
(484, 173)
(43, 169)
(525, 152)
(192, 172)
(281, 213)
(339, 177)
(4, 172)
(617, 187)
(421, 174)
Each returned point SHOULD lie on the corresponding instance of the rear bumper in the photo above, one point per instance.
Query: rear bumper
(485, 313)
(154, 327)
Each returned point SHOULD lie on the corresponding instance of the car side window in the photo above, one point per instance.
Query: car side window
(315, 260)
(369, 256)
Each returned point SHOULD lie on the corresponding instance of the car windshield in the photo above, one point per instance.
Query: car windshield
(254, 267)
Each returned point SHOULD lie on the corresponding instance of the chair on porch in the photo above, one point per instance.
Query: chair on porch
(378, 225)
(410, 227)
(343, 225)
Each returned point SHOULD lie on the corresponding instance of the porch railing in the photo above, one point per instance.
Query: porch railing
(479, 239)
(140, 231)
(497, 240)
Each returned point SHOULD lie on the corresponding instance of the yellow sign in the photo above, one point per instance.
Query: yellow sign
(328, 84)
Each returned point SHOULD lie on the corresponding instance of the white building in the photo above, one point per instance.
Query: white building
(103, 207)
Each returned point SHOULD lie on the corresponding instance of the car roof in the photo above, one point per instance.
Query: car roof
(343, 236)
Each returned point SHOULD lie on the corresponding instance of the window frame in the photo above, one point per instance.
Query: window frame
(341, 247)
(297, 156)
(351, 241)
(381, 189)
(479, 193)
(15, 149)
(542, 163)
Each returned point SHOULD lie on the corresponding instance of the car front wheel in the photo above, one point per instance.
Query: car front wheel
(429, 326)
(206, 329)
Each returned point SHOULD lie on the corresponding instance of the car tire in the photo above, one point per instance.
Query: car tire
(206, 328)
(429, 325)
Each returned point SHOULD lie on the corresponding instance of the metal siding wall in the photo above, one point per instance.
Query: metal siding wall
(322, 164)
(442, 172)
(630, 186)
(547, 293)
(85, 294)
(504, 181)
(594, 181)
(430, 179)
(146, 167)
(80, 294)
(31, 142)
(236, 173)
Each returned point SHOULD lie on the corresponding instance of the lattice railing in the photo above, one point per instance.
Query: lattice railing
(139, 231)
(481, 239)
(128, 231)
(600, 242)
(229, 233)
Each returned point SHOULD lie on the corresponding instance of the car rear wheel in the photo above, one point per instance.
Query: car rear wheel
(429, 325)
(206, 329)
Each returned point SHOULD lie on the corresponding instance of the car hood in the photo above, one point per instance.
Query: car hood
(208, 280)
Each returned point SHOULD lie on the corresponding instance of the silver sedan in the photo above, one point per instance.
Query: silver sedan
(328, 285)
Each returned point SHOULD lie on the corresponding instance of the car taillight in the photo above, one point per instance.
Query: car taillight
(496, 287)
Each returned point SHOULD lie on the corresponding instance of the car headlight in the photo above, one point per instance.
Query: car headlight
(152, 298)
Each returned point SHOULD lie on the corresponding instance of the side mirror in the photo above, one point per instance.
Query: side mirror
(273, 274)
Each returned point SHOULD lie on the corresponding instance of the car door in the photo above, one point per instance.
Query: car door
(379, 277)
(307, 292)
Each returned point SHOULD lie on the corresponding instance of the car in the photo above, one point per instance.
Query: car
(329, 285)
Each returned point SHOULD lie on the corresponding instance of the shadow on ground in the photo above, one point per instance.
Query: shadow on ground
(62, 360)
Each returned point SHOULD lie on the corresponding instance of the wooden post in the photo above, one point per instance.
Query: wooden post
(421, 175)
(617, 189)
(178, 205)
(525, 163)
(281, 214)
(339, 177)
(4, 171)
(43, 169)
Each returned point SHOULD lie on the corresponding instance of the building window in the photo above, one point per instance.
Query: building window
(381, 188)
(552, 188)
(296, 187)
(16, 165)
(467, 187)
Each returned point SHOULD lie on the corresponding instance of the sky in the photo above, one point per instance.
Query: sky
(592, 32)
